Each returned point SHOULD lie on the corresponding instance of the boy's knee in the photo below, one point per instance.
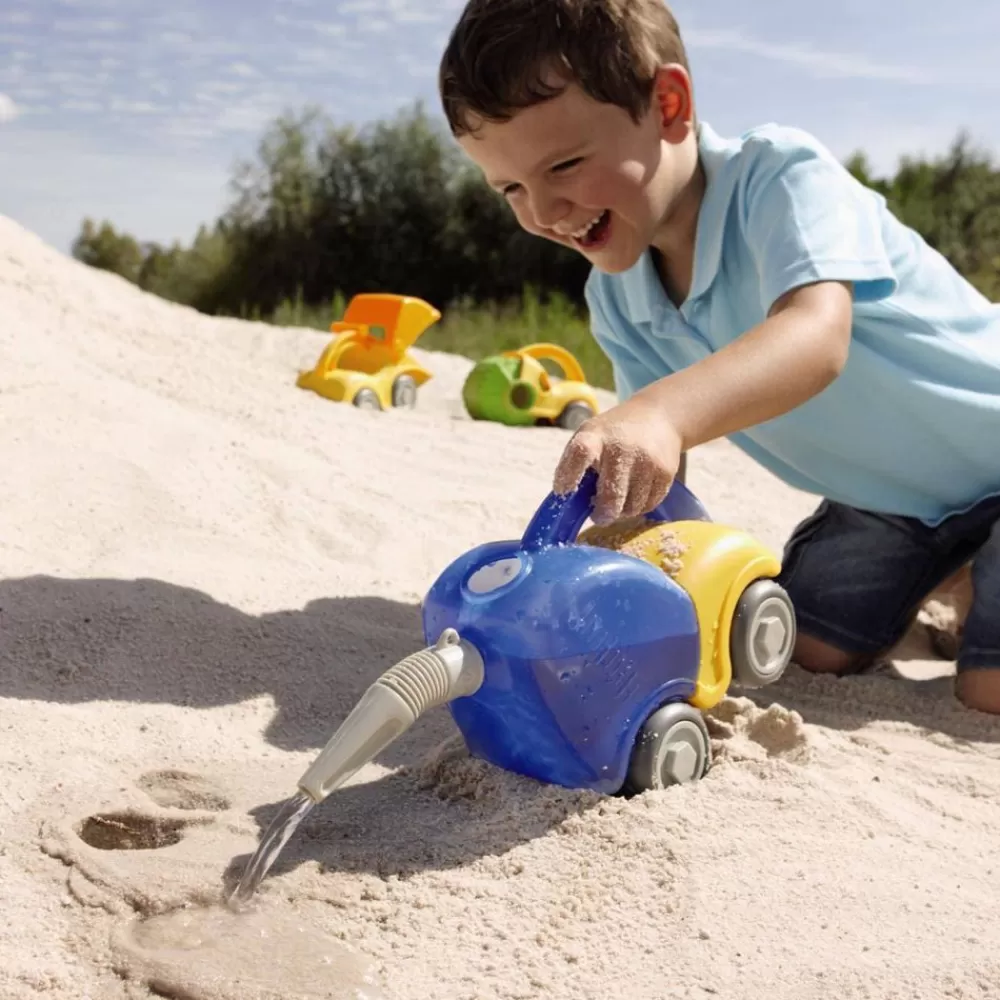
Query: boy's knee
(819, 657)
(979, 689)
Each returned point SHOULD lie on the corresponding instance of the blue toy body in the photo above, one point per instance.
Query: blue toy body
(580, 644)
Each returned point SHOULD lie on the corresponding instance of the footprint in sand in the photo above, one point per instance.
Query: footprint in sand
(127, 831)
(181, 790)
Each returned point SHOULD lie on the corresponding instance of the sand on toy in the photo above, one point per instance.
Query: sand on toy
(203, 569)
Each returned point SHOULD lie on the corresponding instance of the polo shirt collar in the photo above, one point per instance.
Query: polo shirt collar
(644, 292)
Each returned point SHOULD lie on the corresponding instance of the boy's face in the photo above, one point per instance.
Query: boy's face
(584, 174)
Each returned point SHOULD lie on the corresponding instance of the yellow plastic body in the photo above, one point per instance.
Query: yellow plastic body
(554, 394)
(714, 563)
(370, 349)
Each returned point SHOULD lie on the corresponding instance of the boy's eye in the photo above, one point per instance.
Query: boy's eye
(567, 164)
(510, 189)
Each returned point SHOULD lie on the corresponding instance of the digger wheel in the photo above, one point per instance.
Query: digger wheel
(404, 392)
(365, 399)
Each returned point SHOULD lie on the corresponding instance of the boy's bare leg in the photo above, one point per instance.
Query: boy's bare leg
(818, 657)
(976, 689)
(849, 620)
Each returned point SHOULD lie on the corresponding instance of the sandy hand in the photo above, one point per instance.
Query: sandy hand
(636, 454)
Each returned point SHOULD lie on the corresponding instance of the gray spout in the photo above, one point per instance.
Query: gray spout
(451, 668)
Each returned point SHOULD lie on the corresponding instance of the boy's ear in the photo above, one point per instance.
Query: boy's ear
(674, 100)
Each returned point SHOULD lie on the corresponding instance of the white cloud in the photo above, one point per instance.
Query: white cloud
(317, 27)
(15, 17)
(816, 61)
(134, 107)
(242, 69)
(84, 107)
(88, 26)
(215, 91)
(8, 109)
(398, 11)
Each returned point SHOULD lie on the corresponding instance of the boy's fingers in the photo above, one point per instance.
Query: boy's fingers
(583, 451)
(612, 487)
(660, 489)
(645, 479)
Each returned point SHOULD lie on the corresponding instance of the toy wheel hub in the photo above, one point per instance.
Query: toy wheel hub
(673, 747)
(681, 761)
(771, 632)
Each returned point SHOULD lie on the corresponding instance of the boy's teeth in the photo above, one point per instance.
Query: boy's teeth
(580, 233)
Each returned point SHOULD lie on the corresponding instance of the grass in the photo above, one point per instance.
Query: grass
(474, 330)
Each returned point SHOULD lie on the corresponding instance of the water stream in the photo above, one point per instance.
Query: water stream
(292, 813)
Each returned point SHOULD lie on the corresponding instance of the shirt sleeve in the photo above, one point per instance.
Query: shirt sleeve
(806, 219)
(630, 374)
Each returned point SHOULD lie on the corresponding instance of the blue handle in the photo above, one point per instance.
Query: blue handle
(559, 518)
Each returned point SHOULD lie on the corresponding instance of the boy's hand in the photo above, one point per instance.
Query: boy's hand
(636, 452)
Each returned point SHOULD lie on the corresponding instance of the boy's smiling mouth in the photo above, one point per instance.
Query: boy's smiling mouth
(595, 233)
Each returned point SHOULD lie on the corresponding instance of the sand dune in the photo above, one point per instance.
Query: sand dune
(204, 567)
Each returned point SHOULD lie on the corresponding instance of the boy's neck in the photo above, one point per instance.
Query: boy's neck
(674, 244)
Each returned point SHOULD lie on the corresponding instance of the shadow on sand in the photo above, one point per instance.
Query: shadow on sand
(146, 641)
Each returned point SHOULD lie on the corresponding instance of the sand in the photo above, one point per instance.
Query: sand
(204, 567)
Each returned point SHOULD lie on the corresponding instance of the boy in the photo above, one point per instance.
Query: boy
(750, 288)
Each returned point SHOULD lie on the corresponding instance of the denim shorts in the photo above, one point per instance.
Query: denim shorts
(857, 579)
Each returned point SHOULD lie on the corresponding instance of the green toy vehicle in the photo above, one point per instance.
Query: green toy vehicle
(514, 388)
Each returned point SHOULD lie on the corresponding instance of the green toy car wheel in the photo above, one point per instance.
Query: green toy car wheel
(573, 415)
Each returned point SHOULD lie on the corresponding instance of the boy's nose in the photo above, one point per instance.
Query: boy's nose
(549, 212)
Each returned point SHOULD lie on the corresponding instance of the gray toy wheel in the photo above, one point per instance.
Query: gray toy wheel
(404, 391)
(763, 635)
(365, 399)
(573, 415)
(672, 748)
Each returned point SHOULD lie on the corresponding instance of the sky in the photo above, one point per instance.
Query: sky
(136, 111)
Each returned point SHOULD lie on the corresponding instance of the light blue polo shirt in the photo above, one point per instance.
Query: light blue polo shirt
(912, 424)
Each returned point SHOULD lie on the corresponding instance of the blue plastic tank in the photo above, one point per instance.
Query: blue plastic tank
(580, 644)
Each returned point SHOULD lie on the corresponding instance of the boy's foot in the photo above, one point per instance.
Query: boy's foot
(944, 612)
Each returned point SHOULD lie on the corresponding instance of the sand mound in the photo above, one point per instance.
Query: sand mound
(204, 567)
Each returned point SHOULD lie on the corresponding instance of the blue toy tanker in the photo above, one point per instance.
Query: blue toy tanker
(584, 659)
(598, 662)
(578, 659)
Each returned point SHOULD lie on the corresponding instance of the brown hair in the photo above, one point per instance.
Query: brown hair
(502, 55)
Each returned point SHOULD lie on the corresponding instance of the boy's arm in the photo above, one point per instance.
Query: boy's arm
(792, 356)
(638, 446)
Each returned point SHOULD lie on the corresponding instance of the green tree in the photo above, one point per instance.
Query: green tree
(319, 211)
(104, 248)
